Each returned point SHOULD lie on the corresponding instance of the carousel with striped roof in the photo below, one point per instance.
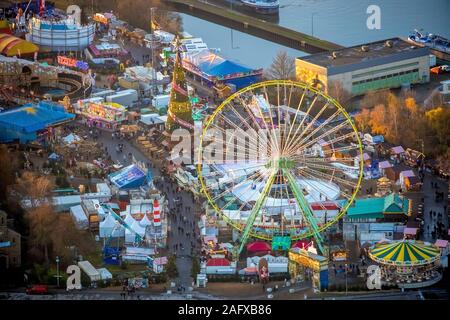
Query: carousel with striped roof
(407, 263)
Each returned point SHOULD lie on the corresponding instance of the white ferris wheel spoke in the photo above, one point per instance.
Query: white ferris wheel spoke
(308, 127)
(298, 136)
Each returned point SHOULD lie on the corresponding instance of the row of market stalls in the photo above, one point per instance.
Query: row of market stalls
(397, 164)
(128, 216)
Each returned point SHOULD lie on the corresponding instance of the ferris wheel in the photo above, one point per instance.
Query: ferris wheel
(280, 159)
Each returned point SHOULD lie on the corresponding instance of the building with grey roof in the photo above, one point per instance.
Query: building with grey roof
(378, 65)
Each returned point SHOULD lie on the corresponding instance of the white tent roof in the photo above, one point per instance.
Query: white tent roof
(108, 222)
(136, 228)
(89, 269)
(145, 221)
(71, 138)
(105, 274)
(129, 220)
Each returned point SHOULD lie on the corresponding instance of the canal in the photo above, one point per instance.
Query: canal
(342, 22)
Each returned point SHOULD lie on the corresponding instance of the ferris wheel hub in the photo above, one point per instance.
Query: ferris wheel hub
(281, 163)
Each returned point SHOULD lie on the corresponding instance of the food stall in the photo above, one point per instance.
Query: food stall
(106, 115)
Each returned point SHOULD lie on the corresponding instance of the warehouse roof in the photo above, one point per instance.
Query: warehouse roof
(366, 55)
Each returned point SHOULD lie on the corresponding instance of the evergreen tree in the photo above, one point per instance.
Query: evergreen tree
(195, 267)
(171, 267)
(179, 105)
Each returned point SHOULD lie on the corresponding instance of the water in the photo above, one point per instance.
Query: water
(341, 22)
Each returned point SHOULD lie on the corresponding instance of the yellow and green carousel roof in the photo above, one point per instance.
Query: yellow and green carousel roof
(404, 253)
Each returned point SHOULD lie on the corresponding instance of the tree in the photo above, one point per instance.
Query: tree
(282, 67)
(444, 161)
(171, 267)
(435, 100)
(52, 234)
(65, 236)
(337, 91)
(362, 120)
(372, 98)
(35, 188)
(393, 118)
(195, 267)
(8, 167)
(179, 105)
(378, 121)
(41, 222)
(439, 120)
(138, 11)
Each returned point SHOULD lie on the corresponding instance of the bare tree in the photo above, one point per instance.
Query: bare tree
(282, 67)
(35, 188)
(41, 221)
(337, 91)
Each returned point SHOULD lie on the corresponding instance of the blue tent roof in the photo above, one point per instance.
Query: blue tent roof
(31, 117)
(128, 178)
(222, 68)
(215, 65)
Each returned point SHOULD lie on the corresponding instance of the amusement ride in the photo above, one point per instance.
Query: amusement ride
(273, 157)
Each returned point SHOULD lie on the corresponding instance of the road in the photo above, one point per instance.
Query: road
(103, 295)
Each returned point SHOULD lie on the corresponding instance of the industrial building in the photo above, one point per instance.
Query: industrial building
(378, 65)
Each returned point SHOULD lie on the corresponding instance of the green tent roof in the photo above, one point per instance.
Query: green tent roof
(377, 207)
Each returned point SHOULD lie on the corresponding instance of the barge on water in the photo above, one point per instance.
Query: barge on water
(439, 45)
(263, 6)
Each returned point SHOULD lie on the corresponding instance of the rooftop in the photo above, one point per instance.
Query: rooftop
(378, 207)
(383, 51)
(34, 117)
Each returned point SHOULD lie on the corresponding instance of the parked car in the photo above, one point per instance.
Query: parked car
(440, 69)
(38, 289)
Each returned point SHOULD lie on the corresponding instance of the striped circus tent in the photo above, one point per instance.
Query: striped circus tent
(404, 253)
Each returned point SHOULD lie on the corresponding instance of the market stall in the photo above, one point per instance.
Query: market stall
(106, 115)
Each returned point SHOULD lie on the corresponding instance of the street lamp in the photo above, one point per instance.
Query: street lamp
(346, 287)
(232, 37)
(57, 271)
(312, 23)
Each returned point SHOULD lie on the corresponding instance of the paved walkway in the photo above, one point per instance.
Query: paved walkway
(435, 210)
(181, 217)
